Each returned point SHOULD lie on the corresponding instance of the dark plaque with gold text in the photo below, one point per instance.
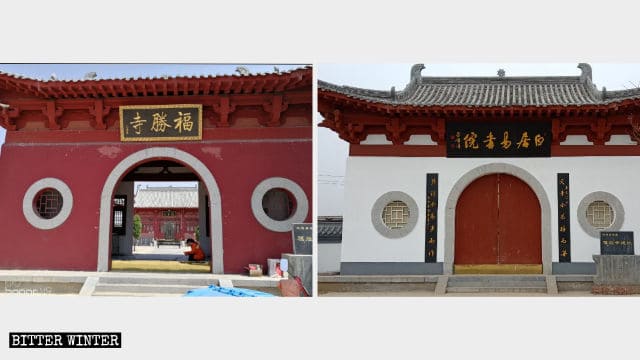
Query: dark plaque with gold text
(302, 239)
(498, 139)
(564, 214)
(161, 122)
(431, 233)
(616, 243)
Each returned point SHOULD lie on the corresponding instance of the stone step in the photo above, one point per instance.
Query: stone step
(129, 294)
(378, 279)
(157, 281)
(148, 286)
(257, 283)
(497, 284)
(43, 278)
(102, 289)
(483, 289)
(496, 278)
(511, 284)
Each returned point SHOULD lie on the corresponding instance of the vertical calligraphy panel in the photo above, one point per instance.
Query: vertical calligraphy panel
(564, 230)
(431, 230)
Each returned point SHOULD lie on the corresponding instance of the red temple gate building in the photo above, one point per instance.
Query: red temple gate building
(74, 149)
(455, 175)
(167, 213)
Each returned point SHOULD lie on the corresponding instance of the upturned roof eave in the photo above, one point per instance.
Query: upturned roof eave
(380, 106)
(96, 88)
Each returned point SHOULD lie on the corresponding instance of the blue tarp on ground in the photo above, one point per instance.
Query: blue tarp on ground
(213, 290)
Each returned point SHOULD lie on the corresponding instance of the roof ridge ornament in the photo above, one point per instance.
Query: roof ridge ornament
(416, 76)
(243, 71)
(585, 77)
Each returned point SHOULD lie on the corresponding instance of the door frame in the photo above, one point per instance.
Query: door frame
(488, 169)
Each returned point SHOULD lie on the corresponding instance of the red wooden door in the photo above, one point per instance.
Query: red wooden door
(498, 222)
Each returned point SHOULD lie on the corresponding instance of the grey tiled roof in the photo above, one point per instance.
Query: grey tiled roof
(330, 230)
(166, 197)
(490, 91)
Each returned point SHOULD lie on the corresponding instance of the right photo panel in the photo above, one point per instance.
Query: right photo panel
(478, 179)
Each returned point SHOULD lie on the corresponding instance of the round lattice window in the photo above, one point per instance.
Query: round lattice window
(600, 211)
(395, 215)
(48, 203)
(600, 214)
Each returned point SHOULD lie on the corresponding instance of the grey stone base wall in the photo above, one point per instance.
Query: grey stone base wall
(390, 268)
(615, 289)
(617, 270)
(407, 268)
(301, 266)
(585, 268)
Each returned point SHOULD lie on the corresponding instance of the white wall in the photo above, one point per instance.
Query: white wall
(329, 258)
(368, 178)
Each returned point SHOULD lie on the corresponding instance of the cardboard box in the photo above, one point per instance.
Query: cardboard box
(255, 270)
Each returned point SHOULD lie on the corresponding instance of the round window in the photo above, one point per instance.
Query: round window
(600, 211)
(600, 214)
(279, 204)
(48, 203)
(395, 215)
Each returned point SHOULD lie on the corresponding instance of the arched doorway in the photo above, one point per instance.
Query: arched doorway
(167, 153)
(498, 227)
(166, 201)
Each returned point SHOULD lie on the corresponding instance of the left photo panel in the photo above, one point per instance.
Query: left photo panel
(156, 179)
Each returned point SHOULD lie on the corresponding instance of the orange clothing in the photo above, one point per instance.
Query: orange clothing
(196, 251)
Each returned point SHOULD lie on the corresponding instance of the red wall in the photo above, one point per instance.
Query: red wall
(154, 219)
(237, 167)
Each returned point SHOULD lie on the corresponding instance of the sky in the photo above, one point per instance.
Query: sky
(333, 152)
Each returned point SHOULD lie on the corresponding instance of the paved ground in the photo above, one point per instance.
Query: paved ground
(124, 283)
(456, 286)
(163, 252)
(432, 294)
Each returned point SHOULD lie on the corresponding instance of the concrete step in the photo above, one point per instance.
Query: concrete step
(157, 281)
(497, 283)
(129, 294)
(496, 278)
(520, 289)
(378, 279)
(160, 285)
(102, 289)
(42, 278)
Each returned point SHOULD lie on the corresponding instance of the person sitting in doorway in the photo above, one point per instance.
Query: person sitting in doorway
(196, 253)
